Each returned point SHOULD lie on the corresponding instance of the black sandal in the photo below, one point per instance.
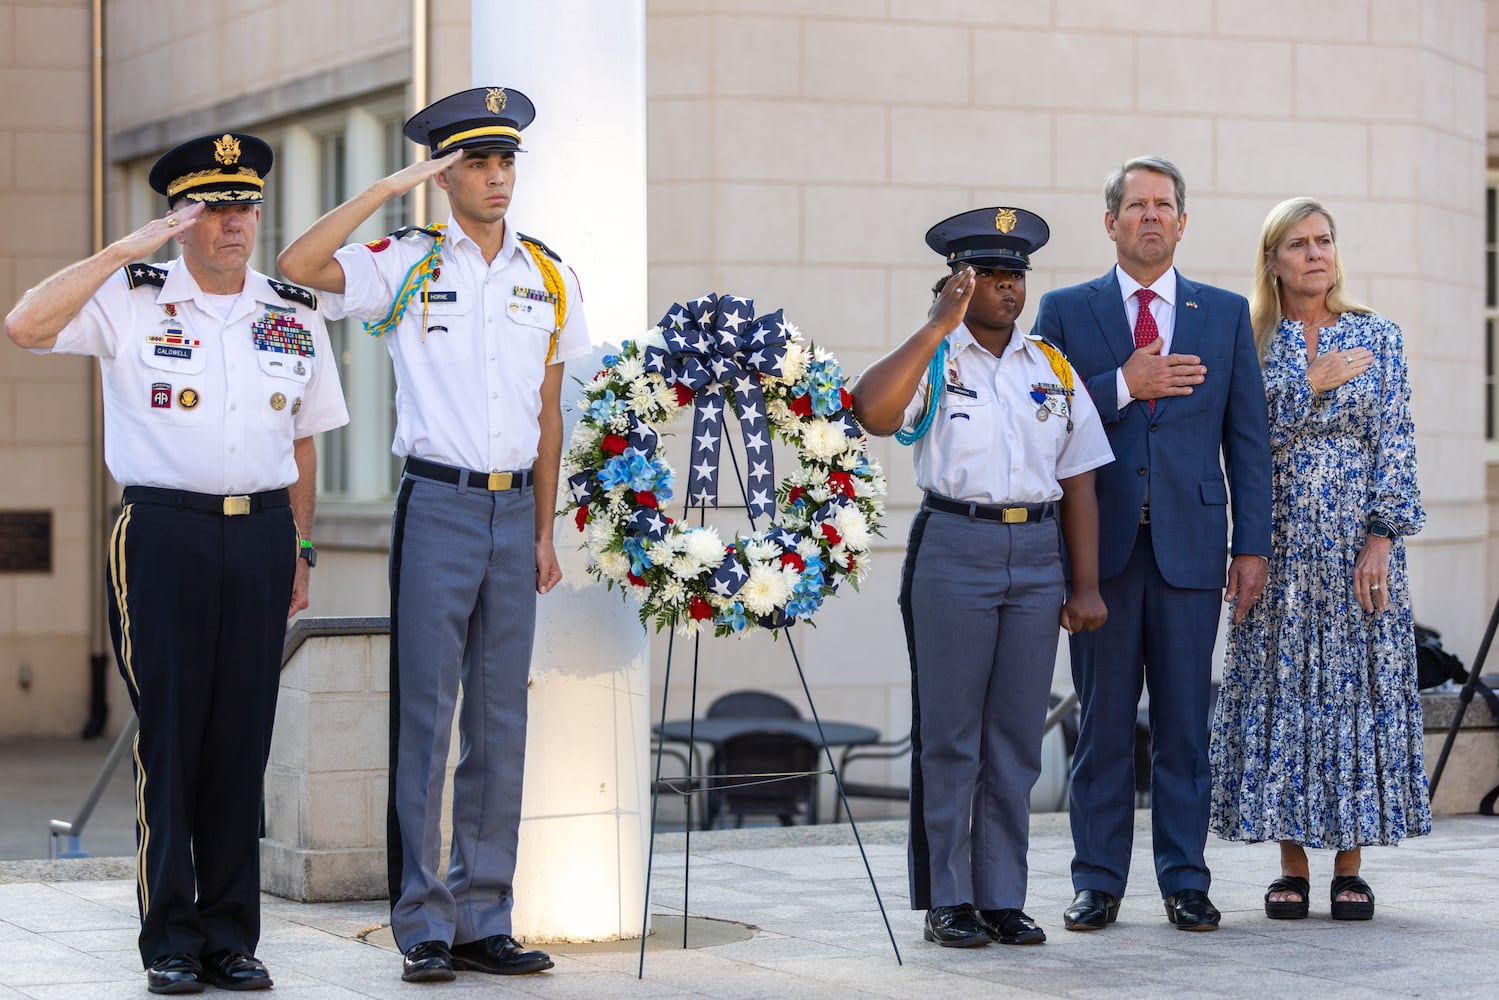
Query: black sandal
(1288, 909)
(1351, 909)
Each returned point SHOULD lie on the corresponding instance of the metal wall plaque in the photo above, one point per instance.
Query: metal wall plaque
(25, 541)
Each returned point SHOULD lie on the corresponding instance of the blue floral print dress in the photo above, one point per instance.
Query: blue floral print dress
(1317, 734)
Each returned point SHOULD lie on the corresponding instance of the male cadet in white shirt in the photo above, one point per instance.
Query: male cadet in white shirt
(215, 380)
(478, 319)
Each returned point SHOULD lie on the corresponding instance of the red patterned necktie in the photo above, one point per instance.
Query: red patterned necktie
(1146, 332)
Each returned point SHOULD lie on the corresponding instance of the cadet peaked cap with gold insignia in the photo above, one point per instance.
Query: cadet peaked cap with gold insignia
(1000, 239)
(218, 169)
(484, 118)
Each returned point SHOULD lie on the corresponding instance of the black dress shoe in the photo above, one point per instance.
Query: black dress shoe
(1091, 910)
(1191, 910)
(499, 955)
(175, 974)
(231, 969)
(428, 962)
(1012, 927)
(955, 926)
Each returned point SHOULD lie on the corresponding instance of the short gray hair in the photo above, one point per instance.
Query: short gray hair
(1113, 188)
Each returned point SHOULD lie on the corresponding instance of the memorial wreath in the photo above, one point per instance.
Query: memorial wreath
(710, 355)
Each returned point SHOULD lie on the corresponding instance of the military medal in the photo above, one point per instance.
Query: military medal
(188, 398)
(278, 401)
(301, 369)
(296, 406)
(1042, 414)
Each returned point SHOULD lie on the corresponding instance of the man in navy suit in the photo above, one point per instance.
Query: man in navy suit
(1172, 368)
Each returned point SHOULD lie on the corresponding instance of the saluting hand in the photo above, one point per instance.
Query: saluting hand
(1149, 374)
(153, 235)
(952, 305)
(413, 174)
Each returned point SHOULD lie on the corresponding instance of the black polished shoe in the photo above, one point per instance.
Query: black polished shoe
(175, 974)
(428, 962)
(499, 955)
(955, 926)
(1191, 910)
(1091, 910)
(231, 969)
(1011, 927)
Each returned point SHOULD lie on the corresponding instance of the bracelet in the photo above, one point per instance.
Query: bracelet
(305, 543)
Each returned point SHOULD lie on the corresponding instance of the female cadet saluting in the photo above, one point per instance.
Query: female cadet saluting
(1005, 440)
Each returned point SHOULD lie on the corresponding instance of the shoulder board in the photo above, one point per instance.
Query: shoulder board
(293, 293)
(405, 231)
(544, 248)
(144, 274)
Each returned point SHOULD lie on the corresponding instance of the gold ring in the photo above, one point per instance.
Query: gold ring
(171, 221)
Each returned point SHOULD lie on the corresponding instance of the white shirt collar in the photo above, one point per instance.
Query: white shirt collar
(1164, 287)
(508, 245)
(962, 338)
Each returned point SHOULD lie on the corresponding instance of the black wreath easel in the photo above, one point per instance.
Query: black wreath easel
(1464, 698)
(695, 784)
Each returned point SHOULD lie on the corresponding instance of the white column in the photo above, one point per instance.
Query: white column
(367, 381)
(580, 188)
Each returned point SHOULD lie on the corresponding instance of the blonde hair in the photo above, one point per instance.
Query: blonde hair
(1264, 300)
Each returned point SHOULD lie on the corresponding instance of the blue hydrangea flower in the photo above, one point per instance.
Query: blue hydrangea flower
(635, 548)
(732, 617)
(605, 408)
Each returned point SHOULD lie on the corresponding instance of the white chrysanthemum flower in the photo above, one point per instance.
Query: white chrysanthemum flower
(704, 546)
(641, 397)
(838, 555)
(615, 565)
(630, 369)
(807, 548)
(795, 364)
(651, 338)
(779, 413)
(819, 494)
(688, 625)
(672, 593)
(665, 398)
(851, 525)
(821, 440)
(765, 590)
(659, 553)
(761, 551)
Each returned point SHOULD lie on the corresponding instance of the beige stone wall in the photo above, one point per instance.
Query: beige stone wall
(45, 403)
(799, 150)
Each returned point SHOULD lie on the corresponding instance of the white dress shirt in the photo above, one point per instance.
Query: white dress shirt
(986, 444)
(469, 373)
(1162, 307)
(195, 400)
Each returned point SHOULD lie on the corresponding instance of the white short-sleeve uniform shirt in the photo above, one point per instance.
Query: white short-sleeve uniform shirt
(469, 367)
(1006, 429)
(206, 395)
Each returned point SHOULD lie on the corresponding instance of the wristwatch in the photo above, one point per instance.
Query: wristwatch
(1380, 528)
(306, 551)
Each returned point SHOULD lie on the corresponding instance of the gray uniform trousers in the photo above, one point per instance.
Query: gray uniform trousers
(981, 600)
(462, 608)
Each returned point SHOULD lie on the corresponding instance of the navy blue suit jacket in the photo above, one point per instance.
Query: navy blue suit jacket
(1185, 446)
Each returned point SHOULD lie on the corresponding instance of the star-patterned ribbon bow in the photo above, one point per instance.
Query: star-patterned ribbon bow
(713, 344)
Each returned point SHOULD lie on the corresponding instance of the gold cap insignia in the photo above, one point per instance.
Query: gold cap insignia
(495, 100)
(226, 150)
(1004, 220)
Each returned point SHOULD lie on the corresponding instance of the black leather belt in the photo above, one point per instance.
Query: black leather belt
(492, 481)
(209, 503)
(1018, 513)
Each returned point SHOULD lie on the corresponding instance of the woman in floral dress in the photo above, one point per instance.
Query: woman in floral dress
(1317, 735)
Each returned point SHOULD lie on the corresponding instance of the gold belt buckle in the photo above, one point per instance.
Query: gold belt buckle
(236, 506)
(499, 481)
(1014, 515)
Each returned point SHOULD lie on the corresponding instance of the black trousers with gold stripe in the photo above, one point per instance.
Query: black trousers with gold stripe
(197, 611)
